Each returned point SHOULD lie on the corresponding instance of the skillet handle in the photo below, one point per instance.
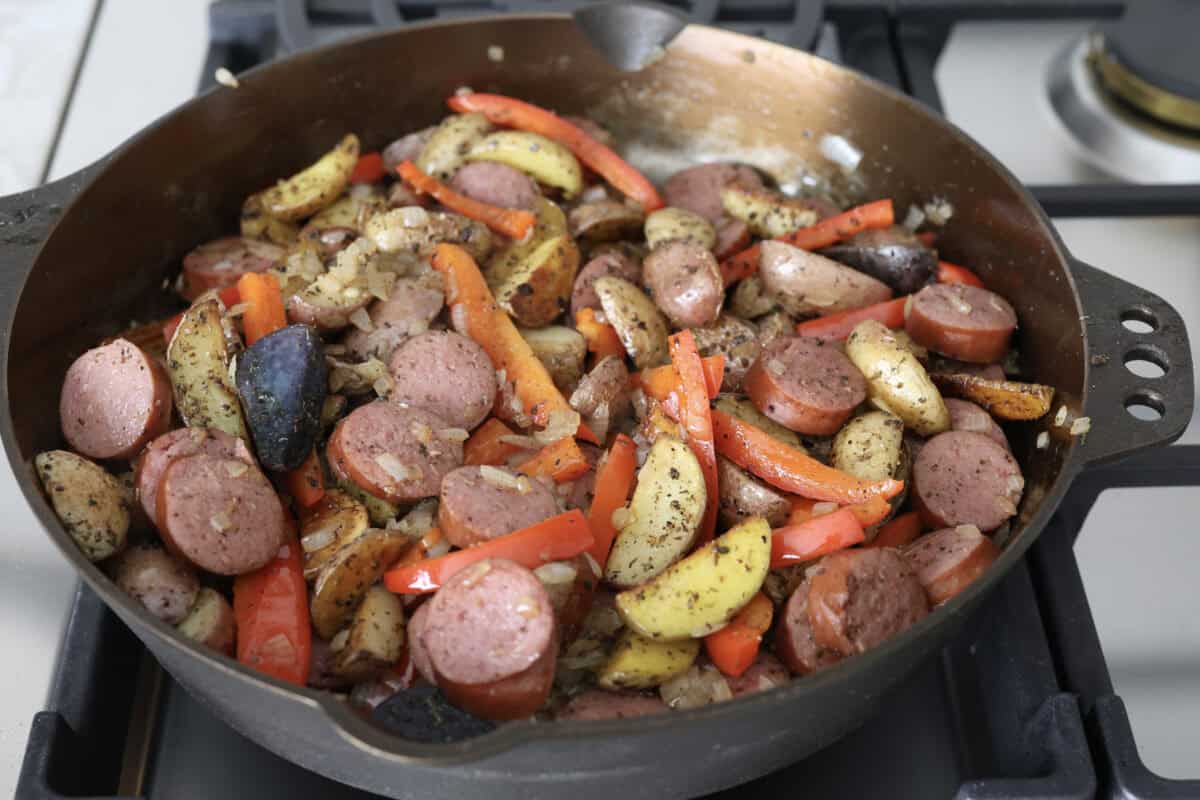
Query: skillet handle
(1108, 303)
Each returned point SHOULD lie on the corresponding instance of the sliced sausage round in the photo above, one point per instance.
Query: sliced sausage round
(733, 236)
(159, 454)
(698, 188)
(302, 310)
(860, 598)
(408, 310)
(393, 452)
(743, 496)
(115, 398)
(946, 561)
(406, 148)
(220, 514)
(805, 283)
(495, 184)
(445, 373)
(966, 416)
(794, 642)
(599, 704)
(164, 584)
(414, 634)
(966, 478)
(805, 385)
(489, 623)
(476, 506)
(964, 322)
(612, 263)
(685, 281)
(767, 672)
(220, 263)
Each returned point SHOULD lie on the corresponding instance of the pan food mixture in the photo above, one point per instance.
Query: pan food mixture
(487, 423)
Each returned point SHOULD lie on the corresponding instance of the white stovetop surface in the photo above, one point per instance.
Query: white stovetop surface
(144, 58)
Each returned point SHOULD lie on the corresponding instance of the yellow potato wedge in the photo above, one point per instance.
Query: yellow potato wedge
(746, 411)
(699, 594)
(256, 223)
(379, 510)
(339, 518)
(450, 142)
(413, 231)
(896, 381)
(532, 279)
(640, 663)
(544, 160)
(751, 299)
(198, 363)
(1005, 399)
(664, 515)
(562, 350)
(356, 566)
(314, 188)
(90, 503)
(640, 326)
(349, 211)
(768, 214)
(605, 220)
(678, 224)
(870, 447)
(375, 637)
(210, 622)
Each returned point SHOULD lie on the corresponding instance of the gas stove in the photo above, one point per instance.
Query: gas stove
(1023, 703)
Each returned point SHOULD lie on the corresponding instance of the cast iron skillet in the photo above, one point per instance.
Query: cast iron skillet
(84, 256)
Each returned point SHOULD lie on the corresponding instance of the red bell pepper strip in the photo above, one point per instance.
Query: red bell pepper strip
(602, 339)
(694, 416)
(898, 532)
(953, 273)
(511, 113)
(369, 169)
(270, 606)
(229, 297)
(817, 537)
(555, 539)
(662, 383)
(734, 648)
(614, 479)
(511, 222)
(485, 447)
(838, 326)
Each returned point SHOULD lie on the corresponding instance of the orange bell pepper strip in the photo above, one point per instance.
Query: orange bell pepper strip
(898, 532)
(838, 326)
(259, 292)
(872, 512)
(229, 297)
(511, 222)
(818, 536)
(555, 539)
(953, 273)
(790, 469)
(663, 382)
(734, 648)
(305, 483)
(695, 419)
(602, 339)
(560, 461)
(270, 607)
(485, 447)
(511, 113)
(614, 480)
(491, 327)
(369, 169)
(870, 216)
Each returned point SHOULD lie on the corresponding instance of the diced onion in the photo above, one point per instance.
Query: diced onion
(278, 648)
(939, 210)
(525, 486)
(237, 310)
(318, 539)
(1060, 417)
(1081, 425)
(555, 573)
(560, 425)
(495, 53)
(438, 548)
(840, 151)
(500, 478)
(621, 517)
(421, 432)
(967, 530)
(383, 385)
(220, 522)
(1043, 440)
(775, 367)
(398, 470)
(694, 688)
(236, 469)
(914, 218)
(338, 642)
(593, 564)
(362, 320)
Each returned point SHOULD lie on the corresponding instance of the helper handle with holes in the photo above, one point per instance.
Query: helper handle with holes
(1108, 302)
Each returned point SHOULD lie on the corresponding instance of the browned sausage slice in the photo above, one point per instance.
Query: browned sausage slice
(794, 642)
(515, 697)
(447, 374)
(685, 282)
(599, 704)
(415, 634)
(860, 598)
(698, 188)
(948, 560)
(114, 400)
(964, 322)
(166, 586)
(805, 385)
(392, 452)
(744, 496)
(965, 478)
(610, 264)
(409, 309)
(159, 454)
(220, 513)
(478, 504)
(966, 416)
(220, 263)
(495, 184)
(765, 673)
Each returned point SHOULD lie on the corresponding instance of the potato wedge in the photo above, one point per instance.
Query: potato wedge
(1005, 399)
(640, 663)
(532, 279)
(544, 160)
(699, 594)
(90, 503)
(605, 220)
(751, 299)
(416, 232)
(450, 142)
(349, 211)
(768, 214)
(671, 224)
(375, 637)
(314, 188)
(870, 447)
(210, 622)
(379, 511)
(198, 363)
(337, 519)
(256, 223)
(896, 381)
(639, 324)
(356, 566)
(746, 411)
(664, 515)
(562, 350)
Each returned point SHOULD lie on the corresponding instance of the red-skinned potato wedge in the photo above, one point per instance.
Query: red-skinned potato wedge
(734, 648)
(818, 536)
